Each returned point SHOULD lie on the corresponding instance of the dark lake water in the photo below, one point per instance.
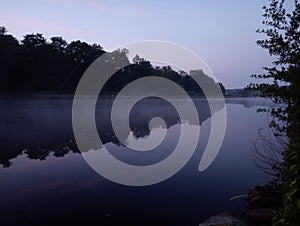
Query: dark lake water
(44, 180)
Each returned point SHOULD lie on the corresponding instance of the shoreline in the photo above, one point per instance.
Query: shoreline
(261, 205)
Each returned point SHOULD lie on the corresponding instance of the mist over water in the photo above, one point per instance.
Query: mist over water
(44, 176)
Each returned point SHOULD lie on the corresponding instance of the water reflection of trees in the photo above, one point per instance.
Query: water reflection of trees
(39, 128)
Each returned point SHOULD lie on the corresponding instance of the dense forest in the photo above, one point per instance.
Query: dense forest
(35, 65)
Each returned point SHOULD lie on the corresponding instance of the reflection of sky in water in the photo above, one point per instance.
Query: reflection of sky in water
(164, 146)
(67, 188)
(149, 142)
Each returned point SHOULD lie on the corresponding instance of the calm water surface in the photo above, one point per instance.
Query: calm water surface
(45, 180)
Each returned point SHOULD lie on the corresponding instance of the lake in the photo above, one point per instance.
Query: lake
(45, 179)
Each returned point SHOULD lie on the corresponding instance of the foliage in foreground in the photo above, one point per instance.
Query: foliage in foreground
(282, 30)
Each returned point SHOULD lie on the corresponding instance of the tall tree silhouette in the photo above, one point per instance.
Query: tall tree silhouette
(282, 31)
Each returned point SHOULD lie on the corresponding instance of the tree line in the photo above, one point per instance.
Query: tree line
(36, 65)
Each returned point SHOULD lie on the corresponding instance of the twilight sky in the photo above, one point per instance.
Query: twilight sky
(221, 32)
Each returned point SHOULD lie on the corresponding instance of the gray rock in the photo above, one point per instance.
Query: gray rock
(223, 219)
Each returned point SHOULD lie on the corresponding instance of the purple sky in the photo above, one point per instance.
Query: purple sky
(221, 32)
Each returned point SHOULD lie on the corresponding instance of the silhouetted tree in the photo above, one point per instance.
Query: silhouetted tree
(9, 47)
(282, 30)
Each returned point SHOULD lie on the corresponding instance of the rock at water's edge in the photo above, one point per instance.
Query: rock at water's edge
(223, 219)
